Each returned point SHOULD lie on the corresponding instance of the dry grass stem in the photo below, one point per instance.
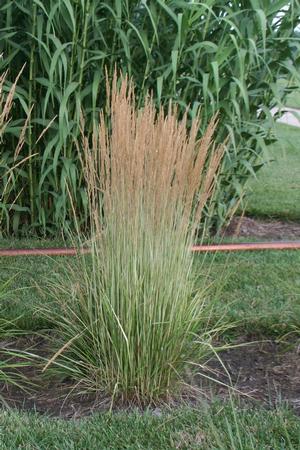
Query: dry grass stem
(149, 162)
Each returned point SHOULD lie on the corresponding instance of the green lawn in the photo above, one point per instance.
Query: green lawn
(260, 291)
(276, 191)
(218, 428)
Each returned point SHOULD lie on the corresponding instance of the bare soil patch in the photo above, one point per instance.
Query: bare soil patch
(264, 229)
(265, 371)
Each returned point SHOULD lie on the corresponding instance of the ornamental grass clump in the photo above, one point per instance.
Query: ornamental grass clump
(129, 316)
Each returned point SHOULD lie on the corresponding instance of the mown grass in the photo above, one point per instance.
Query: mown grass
(260, 291)
(276, 191)
(24, 276)
(219, 427)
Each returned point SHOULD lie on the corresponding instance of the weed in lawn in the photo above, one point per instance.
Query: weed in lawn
(130, 317)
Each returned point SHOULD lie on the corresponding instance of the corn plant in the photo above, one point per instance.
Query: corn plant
(11, 169)
(224, 56)
(7, 160)
(129, 318)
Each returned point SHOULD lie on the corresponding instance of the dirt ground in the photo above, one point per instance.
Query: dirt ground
(263, 229)
(265, 371)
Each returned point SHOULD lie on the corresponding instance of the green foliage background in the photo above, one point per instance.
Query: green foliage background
(224, 56)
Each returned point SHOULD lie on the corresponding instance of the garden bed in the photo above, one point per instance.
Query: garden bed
(264, 371)
(263, 228)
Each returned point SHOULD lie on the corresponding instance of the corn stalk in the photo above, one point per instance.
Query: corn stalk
(239, 58)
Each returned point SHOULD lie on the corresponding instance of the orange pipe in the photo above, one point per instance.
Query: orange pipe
(246, 246)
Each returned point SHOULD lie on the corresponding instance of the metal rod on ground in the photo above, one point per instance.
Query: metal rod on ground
(246, 246)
